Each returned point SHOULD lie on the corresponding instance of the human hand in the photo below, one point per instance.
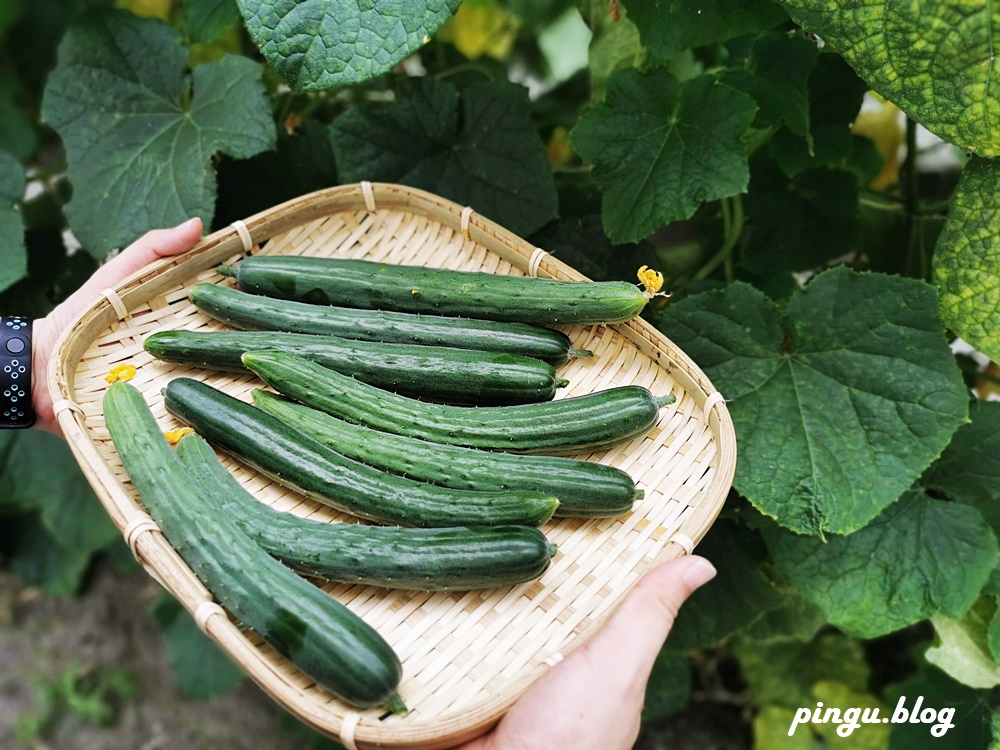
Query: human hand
(592, 700)
(158, 243)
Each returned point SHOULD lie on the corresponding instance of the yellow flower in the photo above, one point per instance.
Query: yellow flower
(174, 436)
(651, 280)
(120, 372)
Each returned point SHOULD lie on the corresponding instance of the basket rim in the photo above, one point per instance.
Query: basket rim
(165, 565)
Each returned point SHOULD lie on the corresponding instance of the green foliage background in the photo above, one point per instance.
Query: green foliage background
(835, 278)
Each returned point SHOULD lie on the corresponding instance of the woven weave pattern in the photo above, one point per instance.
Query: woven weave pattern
(466, 655)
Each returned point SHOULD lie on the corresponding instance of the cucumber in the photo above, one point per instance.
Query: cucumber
(432, 372)
(257, 313)
(462, 557)
(312, 629)
(299, 462)
(584, 488)
(570, 425)
(417, 289)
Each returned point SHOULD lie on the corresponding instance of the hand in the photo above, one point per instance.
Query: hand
(158, 243)
(592, 700)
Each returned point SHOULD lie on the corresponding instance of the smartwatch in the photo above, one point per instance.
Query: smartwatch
(16, 411)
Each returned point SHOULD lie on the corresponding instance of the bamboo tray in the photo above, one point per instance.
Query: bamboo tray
(467, 656)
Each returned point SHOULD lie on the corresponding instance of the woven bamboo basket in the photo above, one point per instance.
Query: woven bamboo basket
(467, 656)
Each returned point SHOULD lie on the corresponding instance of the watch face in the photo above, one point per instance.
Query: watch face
(15, 373)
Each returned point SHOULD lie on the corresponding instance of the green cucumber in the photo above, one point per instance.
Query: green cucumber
(297, 461)
(309, 627)
(461, 557)
(570, 425)
(418, 289)
(584, 488)
(432, 372)
(257, 313)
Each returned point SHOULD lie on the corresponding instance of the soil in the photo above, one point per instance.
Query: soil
(109, 627)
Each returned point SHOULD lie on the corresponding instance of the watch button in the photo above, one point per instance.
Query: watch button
(15, 345)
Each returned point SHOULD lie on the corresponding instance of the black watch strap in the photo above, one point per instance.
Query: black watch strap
(15, 373)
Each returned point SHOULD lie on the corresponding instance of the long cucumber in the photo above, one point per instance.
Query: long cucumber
(570, 425)
(464, 557)
(439, 373)
(419, 289)
(312, 629)
(294, 460)
(258, 313)
(584, 488)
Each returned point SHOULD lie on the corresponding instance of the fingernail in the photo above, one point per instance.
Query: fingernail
(187, 224)
(699, 574)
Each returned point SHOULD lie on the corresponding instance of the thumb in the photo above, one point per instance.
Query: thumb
(633, 637)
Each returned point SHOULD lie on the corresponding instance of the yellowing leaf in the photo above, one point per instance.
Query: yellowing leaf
(481, 29)
(147, 8)
(883, 124)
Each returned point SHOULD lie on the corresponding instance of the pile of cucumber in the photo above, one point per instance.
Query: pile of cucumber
(418, 399)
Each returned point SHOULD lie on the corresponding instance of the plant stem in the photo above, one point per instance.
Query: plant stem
(915, 260)
(732, 228)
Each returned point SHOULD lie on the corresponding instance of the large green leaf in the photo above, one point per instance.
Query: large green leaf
(202, 669)
(971, 713)
(660, 148)
(205, 20)
(969, 469)
(479, 148)
(935, 59)
(962, 646)
(783, 673)
(919, 557)
(776, 75)
(737, 596)
(669, 26)
(840, 400)
(967, 258)
(319, 44)
(39, 560)
(669, 687)
(140, 132)
(13, 259)
(38, 471)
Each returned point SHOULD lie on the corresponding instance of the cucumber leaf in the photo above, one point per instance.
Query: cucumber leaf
(969, 469)
(784, 673)
(13, 258)
(962, 645)
(669, 687)
(478, 148)
(205, 20)
(823, 389)
(669, 26)
(202, 669)
(918, 558)
(935, 60)
(321, 44)
(971, 717)
(660, 148)
(736, 597)
(776, 75)
(140, 132)
(967, 257)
